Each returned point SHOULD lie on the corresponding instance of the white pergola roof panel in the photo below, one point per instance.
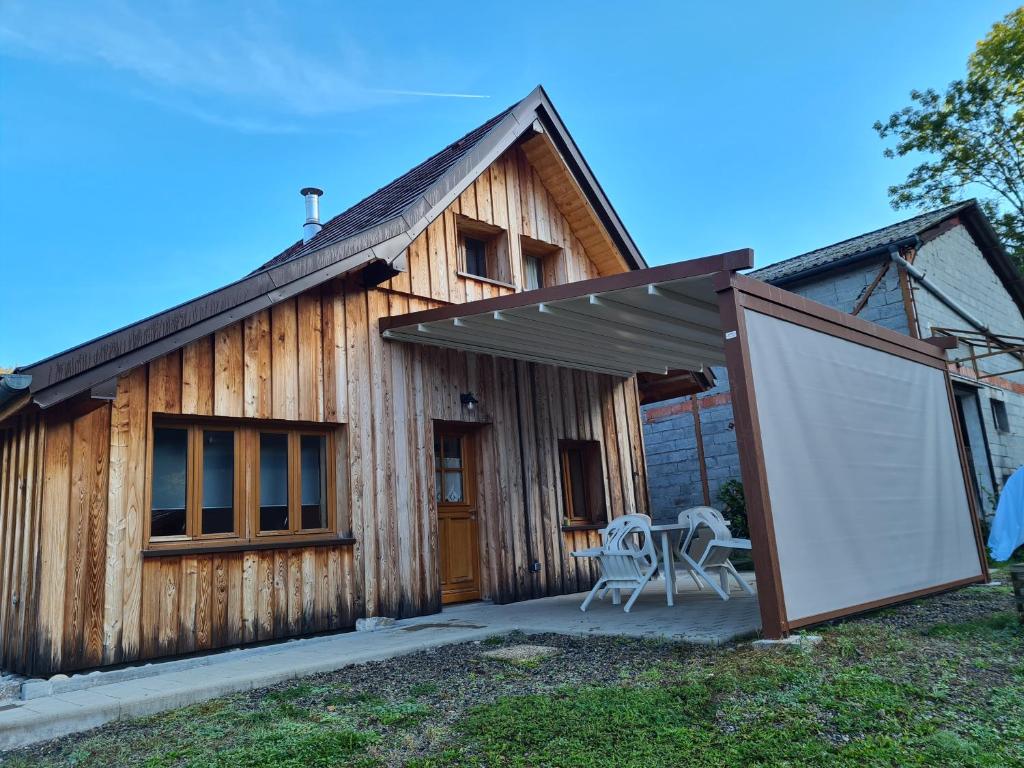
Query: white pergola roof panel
(652, 320)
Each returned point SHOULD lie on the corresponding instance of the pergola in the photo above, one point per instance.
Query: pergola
(851, 457)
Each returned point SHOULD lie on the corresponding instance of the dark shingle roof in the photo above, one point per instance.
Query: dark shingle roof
(391, 199)
(374, 231)
(791, 268)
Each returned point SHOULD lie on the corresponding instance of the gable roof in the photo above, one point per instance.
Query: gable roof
(876, 243)
(392, 198)
(374, 232)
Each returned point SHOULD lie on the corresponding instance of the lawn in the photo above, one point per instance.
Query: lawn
(937, 682)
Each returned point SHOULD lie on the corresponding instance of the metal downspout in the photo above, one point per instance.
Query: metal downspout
(934, 290)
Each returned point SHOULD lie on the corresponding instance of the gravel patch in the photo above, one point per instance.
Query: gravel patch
(521, 653)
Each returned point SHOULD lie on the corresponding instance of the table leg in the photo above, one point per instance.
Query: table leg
(668, 569)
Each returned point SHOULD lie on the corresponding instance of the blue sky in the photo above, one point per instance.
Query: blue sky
(150, 152)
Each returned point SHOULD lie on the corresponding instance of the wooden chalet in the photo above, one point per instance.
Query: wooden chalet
(260, 462)
(432, 398)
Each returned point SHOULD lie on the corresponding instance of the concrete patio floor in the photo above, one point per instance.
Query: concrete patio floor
(698, 616)
(69, 705)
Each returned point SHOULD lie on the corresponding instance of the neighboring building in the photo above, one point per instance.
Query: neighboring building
(260, 462)
(969, 285)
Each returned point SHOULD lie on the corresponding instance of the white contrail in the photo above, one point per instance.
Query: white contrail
(432, 93)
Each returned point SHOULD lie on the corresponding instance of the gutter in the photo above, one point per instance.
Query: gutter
(913, 241)
(12, 385)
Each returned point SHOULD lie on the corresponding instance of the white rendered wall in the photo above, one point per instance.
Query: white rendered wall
(866, 487)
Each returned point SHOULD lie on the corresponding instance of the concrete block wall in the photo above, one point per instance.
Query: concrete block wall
(670, 444)
(954, 262)
(1006, 449)
(843, 289)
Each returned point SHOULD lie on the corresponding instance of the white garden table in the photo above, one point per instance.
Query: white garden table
(668, 562)
(668, 548)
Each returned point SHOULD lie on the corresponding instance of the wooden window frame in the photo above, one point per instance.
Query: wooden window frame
(468, 470)
(295, 528)
(595, 503)
(246, 483)
(547, 253)
(196, 441)
(495, 239)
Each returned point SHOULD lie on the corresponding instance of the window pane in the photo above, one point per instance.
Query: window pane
(534, 279)
(453, 453)
(218, 481)
(453, 487)
(578, 484)
(273, 482)
(476, 257)
(313, 453)
(170, 475)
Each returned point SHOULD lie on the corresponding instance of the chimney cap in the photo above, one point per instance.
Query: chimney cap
(310, 191)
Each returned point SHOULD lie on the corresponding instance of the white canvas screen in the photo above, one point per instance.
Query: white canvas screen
(867, 492)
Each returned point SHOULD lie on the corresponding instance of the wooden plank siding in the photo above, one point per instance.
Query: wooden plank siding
(21, 487)
(73, 548)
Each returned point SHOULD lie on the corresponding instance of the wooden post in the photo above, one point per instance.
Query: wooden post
(752, 467)
(700, 449)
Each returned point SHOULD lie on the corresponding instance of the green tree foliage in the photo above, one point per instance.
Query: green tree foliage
(972, 136)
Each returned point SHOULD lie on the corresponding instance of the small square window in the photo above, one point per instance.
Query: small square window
(999, 415)
(582, 482)
(483, 250)
(540, 262)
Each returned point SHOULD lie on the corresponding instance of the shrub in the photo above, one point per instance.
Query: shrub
(734, 507)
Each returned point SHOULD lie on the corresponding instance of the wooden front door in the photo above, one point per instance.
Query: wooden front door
(457, 530)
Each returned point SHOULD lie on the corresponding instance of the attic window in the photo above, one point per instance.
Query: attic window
(483, 251)
(533, 272)
(539, 260)
(476, 256)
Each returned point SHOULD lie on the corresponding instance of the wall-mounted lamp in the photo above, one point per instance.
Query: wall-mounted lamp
(468, 401)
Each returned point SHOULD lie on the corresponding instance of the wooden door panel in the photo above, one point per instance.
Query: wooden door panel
(459, 566)
(458, 532)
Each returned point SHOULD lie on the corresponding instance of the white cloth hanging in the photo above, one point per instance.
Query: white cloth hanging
(1008, 526)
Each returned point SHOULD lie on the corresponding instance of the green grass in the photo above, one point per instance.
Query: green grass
(884, 691)
(869, 696)
(277, 733)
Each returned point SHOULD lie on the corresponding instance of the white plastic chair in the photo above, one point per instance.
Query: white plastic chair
(699, 541)
(627, 559)
(706, 548)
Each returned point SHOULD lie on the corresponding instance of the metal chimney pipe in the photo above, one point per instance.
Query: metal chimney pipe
(312, 225)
